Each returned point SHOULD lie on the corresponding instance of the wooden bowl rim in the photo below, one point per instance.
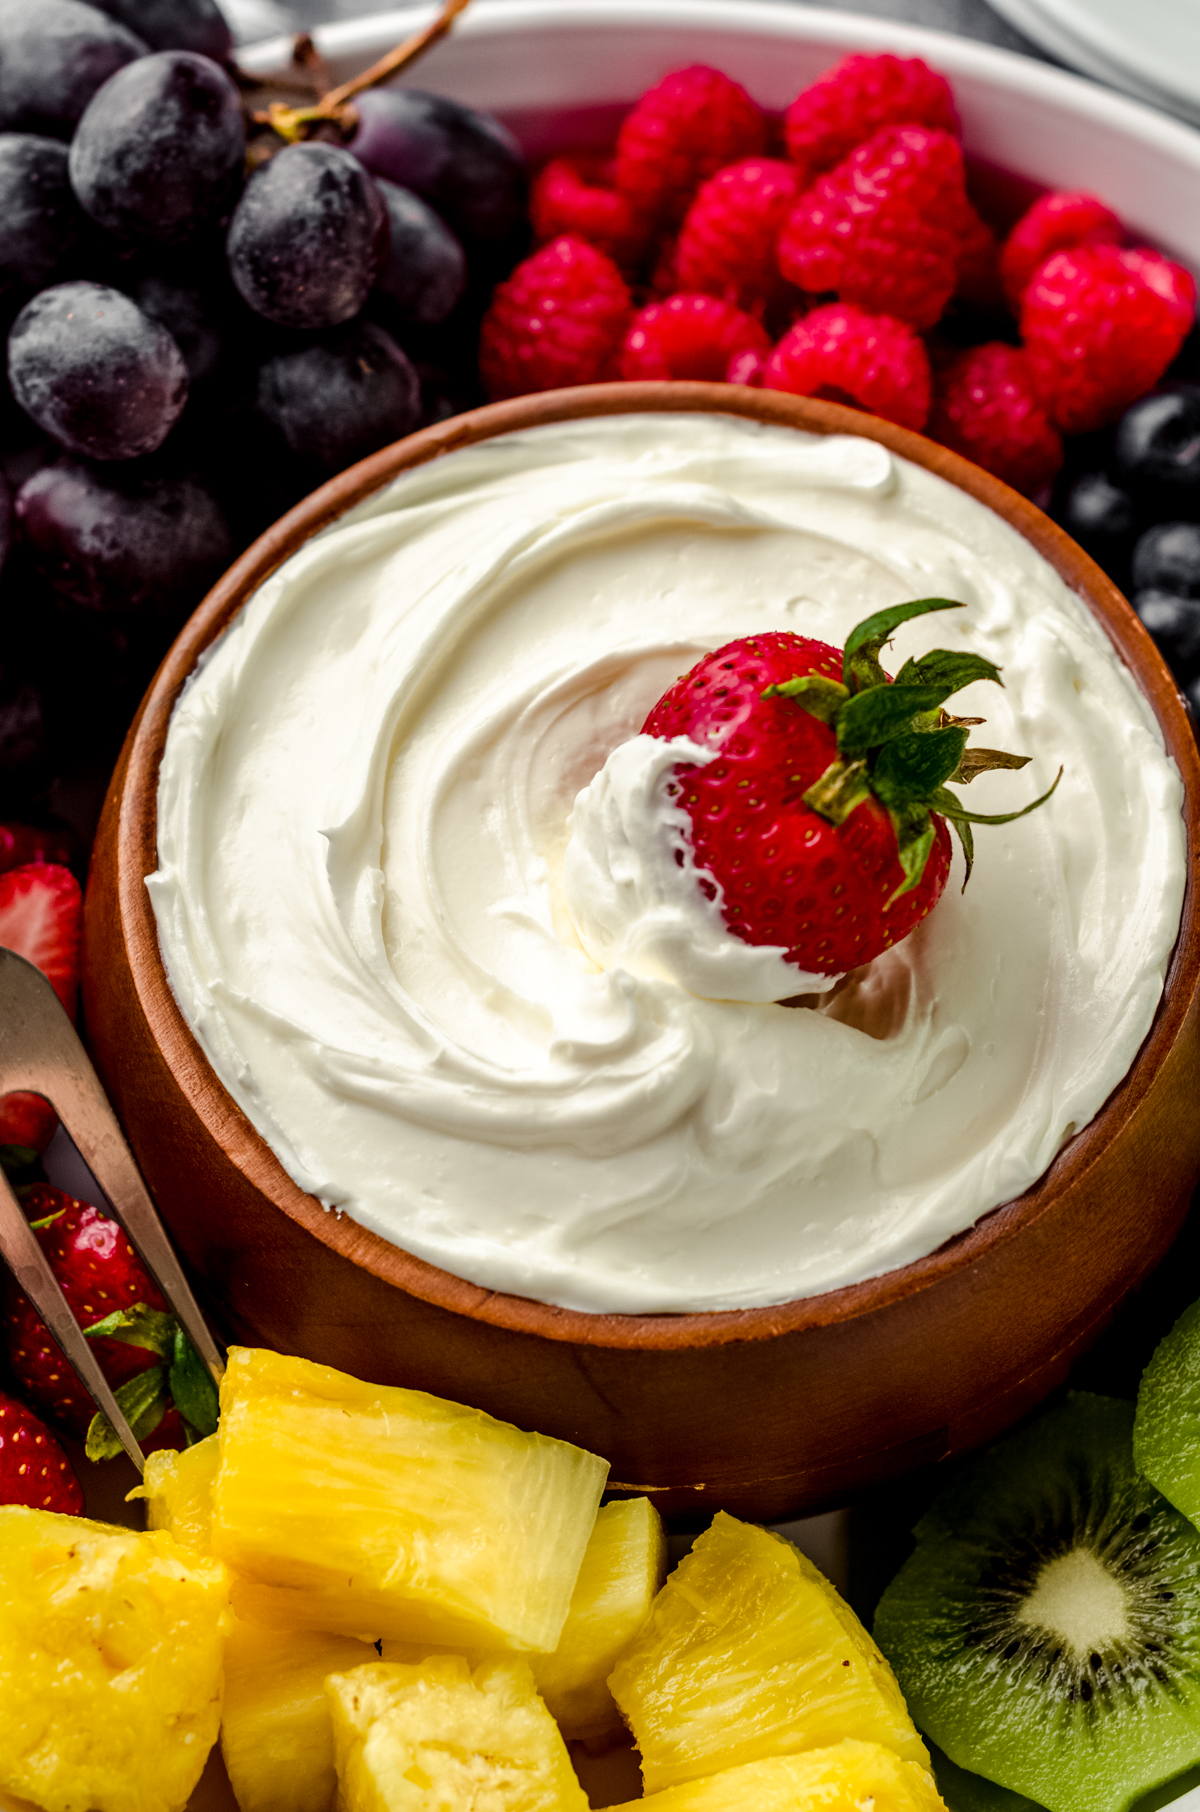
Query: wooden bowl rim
(136, 781)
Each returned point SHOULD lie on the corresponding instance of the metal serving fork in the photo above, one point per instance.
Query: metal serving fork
(40, 1051)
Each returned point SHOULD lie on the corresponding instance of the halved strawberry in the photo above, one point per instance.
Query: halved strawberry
(34, 1470)
(823, 819)
(41, 909)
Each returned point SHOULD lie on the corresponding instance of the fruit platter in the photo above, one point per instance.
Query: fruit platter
(597, 733)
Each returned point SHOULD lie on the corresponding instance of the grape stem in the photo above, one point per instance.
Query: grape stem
(292, 123)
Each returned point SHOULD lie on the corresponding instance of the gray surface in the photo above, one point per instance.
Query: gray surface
(971, 18)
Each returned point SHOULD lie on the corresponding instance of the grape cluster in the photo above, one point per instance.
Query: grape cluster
(199, 330)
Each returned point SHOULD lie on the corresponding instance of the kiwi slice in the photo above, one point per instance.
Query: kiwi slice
(966, 1792)
(1166, 1430)
(1046, 1632)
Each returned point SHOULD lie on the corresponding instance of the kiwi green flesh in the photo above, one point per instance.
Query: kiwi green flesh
(1046, 1632)
(1166, 1430)
(967, 1792)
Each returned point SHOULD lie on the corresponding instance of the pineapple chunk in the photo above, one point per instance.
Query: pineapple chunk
(276, 1732)
(110, 1664)
(749, 1652)
(848, 1778)
(435, 1736)
(624, 1565)
(375, 1511)
(178, 1490)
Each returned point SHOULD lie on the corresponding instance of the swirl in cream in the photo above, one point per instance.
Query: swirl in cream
(363, 818)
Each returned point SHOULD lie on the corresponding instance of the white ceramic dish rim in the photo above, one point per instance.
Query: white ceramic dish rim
(350, 45)
(1140, 63)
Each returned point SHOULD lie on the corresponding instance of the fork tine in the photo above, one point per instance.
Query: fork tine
(31, 1268)
(40, 1050)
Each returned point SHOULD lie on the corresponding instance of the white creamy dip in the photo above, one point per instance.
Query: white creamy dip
(364, 808)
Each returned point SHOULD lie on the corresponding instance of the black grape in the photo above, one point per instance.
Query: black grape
(54, 54)
(42, 229)
(24, 745)
(123, 539)
(307, 237)
(466, 164)
(197, 25)
(94, 372)
(191, 315)
(345, 396)
(425, 271)
(159, 149)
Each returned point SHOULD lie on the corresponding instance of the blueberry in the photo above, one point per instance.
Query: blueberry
(54, 54)
(94, 372)
(1167, 559)
(1174, 623)
(425, 271)
(159, 150)
(342, 398)
(465, 164)
(124, 539)
(197, 25)
(42, 229)
(1156, 451)
(307, 237)
(1101, 517)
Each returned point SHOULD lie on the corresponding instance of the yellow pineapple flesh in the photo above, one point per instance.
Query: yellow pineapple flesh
(749, 1652)
(624, 1565)
(438, 1735)
(276, 1731)
(851, 1777)
(376, 1511)
(178, 1488)
(110, 1664)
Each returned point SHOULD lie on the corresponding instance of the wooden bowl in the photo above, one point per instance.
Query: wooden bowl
(767, 1412)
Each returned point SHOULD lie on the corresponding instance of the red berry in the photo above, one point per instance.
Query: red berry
(855, 98)
(26, 1120)
(689, 337)
(559, 319)
(788, 876)
(576, 195)
(24, 843)
(845, 355)
(40, 912)
(746, 368)
(681, 132)
(886, 228)
(34, 1470)
(1054, 223)
(1099, 334)
(986, 408)
(727, 243)
(98, 1272)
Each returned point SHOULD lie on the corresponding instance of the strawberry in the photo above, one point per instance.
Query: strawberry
(41, 908)
(34, 1470)
(27, 1124)
(100, 1275)
(823, 819)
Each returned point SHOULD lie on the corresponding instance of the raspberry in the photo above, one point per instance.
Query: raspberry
(1098, 333)
(855, 98)
(1171, 281)
(689, 337)
(575, 195)
(987, 409)
(746, 368)
(559, 319)
(727, 245)
(1054, 223)
(845, 355)
(679, 134)
(887, 228)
